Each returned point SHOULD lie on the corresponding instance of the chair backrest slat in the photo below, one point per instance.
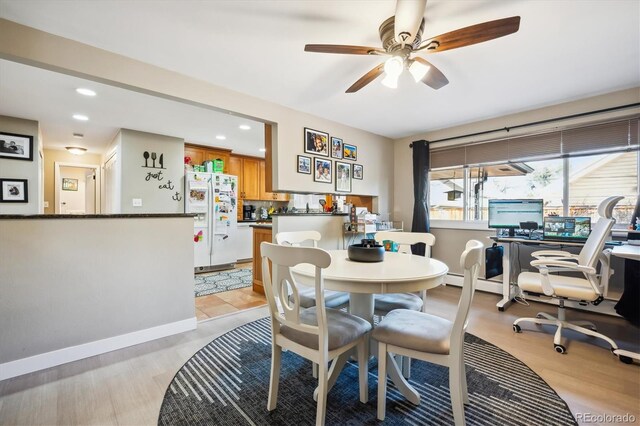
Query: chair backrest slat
(297, 238)
(406, 239)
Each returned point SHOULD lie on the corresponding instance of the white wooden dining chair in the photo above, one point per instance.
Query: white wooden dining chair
(318, 334)
(332, 299)
(431, 338)
(385, 303)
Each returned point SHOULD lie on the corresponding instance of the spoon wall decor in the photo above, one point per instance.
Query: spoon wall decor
(146, 158)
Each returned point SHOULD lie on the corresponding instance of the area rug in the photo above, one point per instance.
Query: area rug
(227, 382)
(216, 282)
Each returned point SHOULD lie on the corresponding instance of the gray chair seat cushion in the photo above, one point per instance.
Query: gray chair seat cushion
(343, 328)
(332, 299)
(415, 330)
(388, 302)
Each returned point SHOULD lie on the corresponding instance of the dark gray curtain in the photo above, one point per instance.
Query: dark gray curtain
(420, 192)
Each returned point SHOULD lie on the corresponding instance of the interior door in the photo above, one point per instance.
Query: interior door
(90, 192)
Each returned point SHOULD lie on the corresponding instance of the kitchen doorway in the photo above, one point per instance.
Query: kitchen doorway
(77, 188)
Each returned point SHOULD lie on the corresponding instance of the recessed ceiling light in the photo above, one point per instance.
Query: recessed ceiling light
(85, 92)
(76, 150)
(221, 137)
(78, 135)
(263, 149)
(245, 127)
(80, 117)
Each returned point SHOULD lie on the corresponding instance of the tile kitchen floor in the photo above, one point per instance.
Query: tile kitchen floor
(215, 305)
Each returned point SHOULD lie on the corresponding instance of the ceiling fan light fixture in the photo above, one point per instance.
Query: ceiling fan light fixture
(390, 81)
(418, 70)
(394, 66)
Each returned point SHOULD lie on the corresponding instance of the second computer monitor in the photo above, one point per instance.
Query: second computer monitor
(508, 214)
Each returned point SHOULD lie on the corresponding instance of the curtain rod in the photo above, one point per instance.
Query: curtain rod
(535, 123)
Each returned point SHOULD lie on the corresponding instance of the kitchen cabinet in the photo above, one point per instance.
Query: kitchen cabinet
(200, 154)
(260, 234)
(250, 182)
(269, 196)
(196, 154)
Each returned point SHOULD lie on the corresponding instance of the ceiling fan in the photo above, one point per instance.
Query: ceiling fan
(401, 37)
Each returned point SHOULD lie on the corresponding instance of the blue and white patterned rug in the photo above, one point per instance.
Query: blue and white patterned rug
(217, 282)
(227, 383)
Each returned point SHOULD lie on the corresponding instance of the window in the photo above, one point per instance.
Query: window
(589, 180)
(596, 177)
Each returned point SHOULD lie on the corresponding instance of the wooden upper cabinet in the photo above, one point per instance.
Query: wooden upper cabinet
(251, 179)
(235, 168)
(264, 195)
(196, 154)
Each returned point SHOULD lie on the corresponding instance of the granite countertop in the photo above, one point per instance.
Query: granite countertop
(96, 216)
(309, 214)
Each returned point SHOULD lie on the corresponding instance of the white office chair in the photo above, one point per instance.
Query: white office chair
(317, 334)
(590, 288)
(332, 299)
(430, 338)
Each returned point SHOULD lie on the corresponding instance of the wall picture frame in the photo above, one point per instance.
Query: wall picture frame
(358, 171)
(304, 165)
(336, 148)
(16, 147)
(316, 142)
(349, 152)
(343, 177)
(69, 184)
(14, 191)
(322, 170)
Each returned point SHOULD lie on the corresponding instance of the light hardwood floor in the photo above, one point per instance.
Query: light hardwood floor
(126, 387)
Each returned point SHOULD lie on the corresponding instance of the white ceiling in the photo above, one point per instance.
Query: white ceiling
(565, 50)
(51, 99)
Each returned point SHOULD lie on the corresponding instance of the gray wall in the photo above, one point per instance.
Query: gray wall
(144, 183)
(65, 282)
(22, 169)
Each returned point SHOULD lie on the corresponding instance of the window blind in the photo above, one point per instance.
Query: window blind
(600, 137)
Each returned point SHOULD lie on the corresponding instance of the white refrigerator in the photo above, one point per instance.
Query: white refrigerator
(213, 197)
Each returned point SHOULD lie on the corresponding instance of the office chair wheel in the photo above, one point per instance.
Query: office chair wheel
(560, 349)
(625, 359)
(516, 328)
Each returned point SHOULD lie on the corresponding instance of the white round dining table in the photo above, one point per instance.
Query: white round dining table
(397, 273)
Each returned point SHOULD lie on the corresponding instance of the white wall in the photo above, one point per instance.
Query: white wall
(64, 55)
(161, 190)
(57, 293)
(23, 169)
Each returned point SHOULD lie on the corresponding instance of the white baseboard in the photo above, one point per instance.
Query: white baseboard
(73, 353)
(482, 285)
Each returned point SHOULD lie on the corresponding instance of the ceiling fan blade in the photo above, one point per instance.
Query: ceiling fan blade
(471, 35)
(343, 49)
(434, 78)
(366, 79)
(408, 17)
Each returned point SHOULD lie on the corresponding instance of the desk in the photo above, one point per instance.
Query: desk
(398, 273)
(627, 251)
(506, 261)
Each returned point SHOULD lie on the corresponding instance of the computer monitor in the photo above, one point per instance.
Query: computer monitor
(561, 228)
(507, 214)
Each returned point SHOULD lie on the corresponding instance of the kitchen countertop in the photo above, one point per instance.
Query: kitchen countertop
(262, 225)
(309, 214)
(95, 216)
